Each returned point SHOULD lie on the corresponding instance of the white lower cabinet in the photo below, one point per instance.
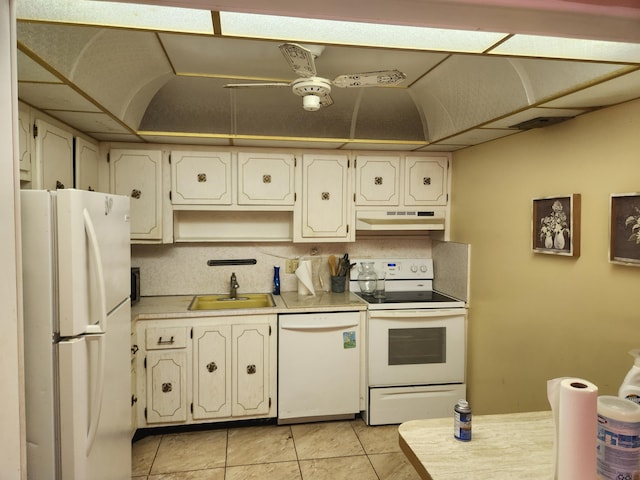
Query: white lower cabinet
(207, 369)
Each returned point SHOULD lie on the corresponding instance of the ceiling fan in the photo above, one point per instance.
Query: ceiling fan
(316, 91)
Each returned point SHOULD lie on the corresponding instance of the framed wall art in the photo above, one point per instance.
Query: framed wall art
(556, 225)
(624, 240)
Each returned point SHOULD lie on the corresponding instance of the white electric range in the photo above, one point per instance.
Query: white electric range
(416, 343)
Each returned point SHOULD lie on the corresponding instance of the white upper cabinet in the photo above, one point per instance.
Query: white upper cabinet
(201, 178)
(324, 213)
(378, 180)
(138, 175)
(426, 180)
(266, 179)
(54, 157)
(86, 162)
(25, 140)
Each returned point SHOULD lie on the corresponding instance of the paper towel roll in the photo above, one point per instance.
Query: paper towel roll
(574, 403)
(305, 278)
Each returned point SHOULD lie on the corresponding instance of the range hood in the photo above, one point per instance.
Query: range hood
(401, 220)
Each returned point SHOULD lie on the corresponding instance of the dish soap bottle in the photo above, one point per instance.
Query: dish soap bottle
(630, 388)
(276, 280)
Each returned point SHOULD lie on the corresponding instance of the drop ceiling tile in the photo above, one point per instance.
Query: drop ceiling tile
(386, 146)
(90, 122)
(437, 147)
(116, 137)
(532, 113)
(288, 143)
(479, 135)
(47, 96)
(186, 139)
(31, 71)
(617, 90)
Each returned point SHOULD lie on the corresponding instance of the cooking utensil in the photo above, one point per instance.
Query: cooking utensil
(332, 265)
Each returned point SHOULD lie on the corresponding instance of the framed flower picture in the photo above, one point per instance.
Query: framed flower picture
(624, 240)
(556, 225)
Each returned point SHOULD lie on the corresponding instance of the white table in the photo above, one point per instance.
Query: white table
(503, 447)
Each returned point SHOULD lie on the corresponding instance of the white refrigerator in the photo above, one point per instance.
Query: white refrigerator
(77, 324)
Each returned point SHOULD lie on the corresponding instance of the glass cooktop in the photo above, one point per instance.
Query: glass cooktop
(408, 297)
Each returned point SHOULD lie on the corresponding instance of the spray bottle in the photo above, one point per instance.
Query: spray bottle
(630, 388)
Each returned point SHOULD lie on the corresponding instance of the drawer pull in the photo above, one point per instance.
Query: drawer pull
(167, 387)
(251, 369)
(135, 193)
(212, 367)
(171, 341)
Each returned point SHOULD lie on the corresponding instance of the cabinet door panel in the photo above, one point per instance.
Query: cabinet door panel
(138, 175)
(325, 189)
(211, 378)
(426, 181)
(54, 156)
(166, 386)
(201, 178)
(24, 139)
(86, 165)
(265, 179)
(251, 369)
(378, 180)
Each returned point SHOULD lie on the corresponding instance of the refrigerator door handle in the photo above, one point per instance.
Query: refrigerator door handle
(95, 248)
(97, 390)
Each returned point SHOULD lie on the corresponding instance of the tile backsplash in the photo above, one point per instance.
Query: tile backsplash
(181, 269)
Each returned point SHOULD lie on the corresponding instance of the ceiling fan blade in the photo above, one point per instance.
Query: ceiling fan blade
(369, 79)
(326, 100)
(300, 59)
(260, 85)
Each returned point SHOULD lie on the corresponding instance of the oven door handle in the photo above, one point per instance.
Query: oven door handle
(375, 314)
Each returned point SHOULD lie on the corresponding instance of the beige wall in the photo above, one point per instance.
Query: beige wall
(533, 316)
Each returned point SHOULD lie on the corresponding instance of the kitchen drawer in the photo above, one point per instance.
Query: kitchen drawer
(160, 338)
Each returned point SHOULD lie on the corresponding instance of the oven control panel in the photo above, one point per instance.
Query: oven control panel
(398, 268)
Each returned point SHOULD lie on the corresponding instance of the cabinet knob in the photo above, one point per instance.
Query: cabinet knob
(135, 193)
(326, 196)
(426, 181)
(212, 367)
(377, 181)
(167, 387)
(59, 185)
(202, 177)
(266, 178)
(251, 369)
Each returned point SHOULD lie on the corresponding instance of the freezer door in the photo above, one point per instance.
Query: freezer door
(93, 258)
(95, 398)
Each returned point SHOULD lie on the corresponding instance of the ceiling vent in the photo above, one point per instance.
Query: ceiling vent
(539, 122)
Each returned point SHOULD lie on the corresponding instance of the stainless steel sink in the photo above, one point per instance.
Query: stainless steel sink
(224, 302)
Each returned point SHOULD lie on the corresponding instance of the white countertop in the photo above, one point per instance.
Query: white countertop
(502, 447)
(172, 306)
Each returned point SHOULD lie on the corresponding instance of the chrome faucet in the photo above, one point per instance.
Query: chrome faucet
(233, 290)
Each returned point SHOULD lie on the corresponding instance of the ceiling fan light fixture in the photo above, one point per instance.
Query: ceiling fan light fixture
(311, 103)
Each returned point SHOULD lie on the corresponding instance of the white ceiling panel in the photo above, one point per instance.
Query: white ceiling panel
(47, 96)
(90, 122)
(614, 91)
(30, 71)
(479, 135)
(532, 113)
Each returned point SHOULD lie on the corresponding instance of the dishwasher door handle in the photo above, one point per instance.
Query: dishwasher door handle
(317, 326)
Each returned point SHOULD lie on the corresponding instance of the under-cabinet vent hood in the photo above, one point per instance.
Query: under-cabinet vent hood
(401, 220)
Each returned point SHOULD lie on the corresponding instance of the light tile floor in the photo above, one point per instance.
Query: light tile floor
(341, 450)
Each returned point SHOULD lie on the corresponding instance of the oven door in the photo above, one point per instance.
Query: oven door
(416, 347)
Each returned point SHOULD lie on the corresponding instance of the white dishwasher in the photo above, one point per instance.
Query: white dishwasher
(318, 366)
